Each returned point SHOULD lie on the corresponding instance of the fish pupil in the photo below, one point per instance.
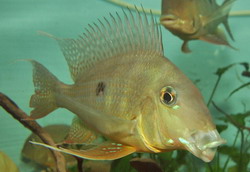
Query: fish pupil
(100, 88)
(167, 97)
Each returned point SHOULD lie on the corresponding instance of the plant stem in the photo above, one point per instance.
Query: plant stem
(230, 119)
(210, 167)
(228, 158)
(241, 149)
(214, 89)
(218, 162)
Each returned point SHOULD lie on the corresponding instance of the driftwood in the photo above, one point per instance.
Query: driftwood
(32, 125)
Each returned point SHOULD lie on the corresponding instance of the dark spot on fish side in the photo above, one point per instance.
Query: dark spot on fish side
(100, 88)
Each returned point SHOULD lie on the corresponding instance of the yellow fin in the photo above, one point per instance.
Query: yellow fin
(80, 133)
(106, 151)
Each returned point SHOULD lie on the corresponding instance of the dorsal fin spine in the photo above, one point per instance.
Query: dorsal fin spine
(127, 36)
(128, 31)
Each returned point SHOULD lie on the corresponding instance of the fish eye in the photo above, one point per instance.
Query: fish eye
(168, 96)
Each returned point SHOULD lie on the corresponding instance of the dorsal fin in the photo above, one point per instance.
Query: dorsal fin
(116, 37)
(221, 13)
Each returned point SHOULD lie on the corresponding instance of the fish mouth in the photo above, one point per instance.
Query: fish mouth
(203, 144)
(180, 26)
(168, 20)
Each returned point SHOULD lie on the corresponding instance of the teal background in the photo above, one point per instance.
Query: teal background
(21, 19)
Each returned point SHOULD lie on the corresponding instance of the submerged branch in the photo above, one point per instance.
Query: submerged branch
(32, 125)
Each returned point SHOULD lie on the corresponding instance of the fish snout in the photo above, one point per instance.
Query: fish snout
(168, 20)
(204, 144)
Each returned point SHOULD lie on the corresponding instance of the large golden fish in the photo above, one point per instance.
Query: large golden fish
(197, 19)
(127, 91)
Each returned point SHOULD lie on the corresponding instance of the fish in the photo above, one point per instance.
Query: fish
(41, 155)
(197, 20)
(126, 94)
(7, 164)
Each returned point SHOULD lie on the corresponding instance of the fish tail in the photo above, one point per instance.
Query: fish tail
(46, 84)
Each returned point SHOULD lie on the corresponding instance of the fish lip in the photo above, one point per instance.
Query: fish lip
(168, 19)
(205, 151)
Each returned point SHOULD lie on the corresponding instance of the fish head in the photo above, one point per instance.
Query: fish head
(181, 26)
(181, 17)
(184, 121)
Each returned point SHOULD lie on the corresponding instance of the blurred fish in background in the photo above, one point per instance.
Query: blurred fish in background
(197, 19)
(194, 19)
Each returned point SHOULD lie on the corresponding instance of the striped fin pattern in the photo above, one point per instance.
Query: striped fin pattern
(118, 36)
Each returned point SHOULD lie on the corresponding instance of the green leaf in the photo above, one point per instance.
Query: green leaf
(170, 163)
(234, 154)
(181, 155)
(221, 128)
(221, 71)
(228, 150)
(165, 156)
(165, 159)
(122, 165)
(246, 65)
(233, 169)
(237, 119)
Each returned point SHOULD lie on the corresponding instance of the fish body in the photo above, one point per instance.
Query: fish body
(127, 91)
(197, 19)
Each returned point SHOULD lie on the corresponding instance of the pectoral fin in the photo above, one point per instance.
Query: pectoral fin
(80, 133)
(105, 151)
(185, 48)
